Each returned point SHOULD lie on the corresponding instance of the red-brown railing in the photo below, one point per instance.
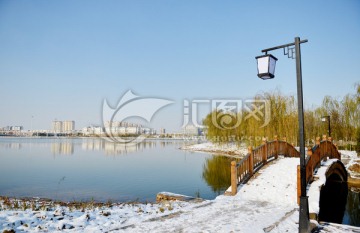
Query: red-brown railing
(321, 151)
(242, 171)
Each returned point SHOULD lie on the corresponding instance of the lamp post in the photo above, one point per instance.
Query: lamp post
(266, 70)
(327, 118)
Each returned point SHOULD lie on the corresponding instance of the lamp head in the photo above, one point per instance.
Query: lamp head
(266, 66)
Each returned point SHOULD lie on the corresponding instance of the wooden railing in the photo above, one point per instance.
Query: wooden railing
(321, 151)
(258, 157)
(242, 171)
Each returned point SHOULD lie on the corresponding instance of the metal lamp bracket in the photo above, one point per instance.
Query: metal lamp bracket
(290, 52)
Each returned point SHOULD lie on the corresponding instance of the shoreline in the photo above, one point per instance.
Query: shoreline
(160, 197)
(184, 138)
(42, 214)
(231, 150)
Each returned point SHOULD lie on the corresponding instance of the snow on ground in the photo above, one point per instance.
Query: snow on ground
(333, 227)
(351, 159)
(99, 219)
(263, 203)
(229, 149)
(314, 189)
(267, 203)
(348, 158)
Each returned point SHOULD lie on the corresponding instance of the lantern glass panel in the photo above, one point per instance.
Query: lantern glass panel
(272, 63)
(263, 65)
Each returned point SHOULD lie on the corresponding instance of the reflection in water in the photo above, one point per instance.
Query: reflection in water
(352, 214)
(11, 145)
(216, 173)
(62, 148)
(65, 146)
(112, 148)
(89, 174)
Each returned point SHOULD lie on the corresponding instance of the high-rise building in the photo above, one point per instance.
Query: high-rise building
(68, 126)
(57, 126)
(191, 130)
(63, 126)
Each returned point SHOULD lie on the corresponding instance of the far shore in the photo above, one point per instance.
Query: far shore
(226, 149)
(184, 138)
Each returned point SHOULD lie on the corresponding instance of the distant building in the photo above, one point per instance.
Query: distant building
(148, 131)
(132, 130)
(12, 128)
(191, 130)
(68, 126)
(57, 126)
(63, 126)
(162, 131)
(16, 128)
(117, 128)
(93, 130)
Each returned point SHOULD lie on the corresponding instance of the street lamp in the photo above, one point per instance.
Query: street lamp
(292, 50)
(327, 118)
(266, 66)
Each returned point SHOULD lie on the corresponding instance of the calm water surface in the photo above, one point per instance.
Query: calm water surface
(352, 209)
(86, 168)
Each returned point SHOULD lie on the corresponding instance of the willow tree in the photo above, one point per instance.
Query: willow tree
(223, 127)
(216, 173)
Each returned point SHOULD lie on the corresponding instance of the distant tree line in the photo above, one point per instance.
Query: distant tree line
(222, 127)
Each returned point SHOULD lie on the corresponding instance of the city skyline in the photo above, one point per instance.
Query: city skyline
(62, 59)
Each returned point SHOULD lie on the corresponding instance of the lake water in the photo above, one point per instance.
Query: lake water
(352, 209)
(86, 168)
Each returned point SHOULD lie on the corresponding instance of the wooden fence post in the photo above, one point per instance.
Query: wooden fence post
(310, 153)
(251, 161)
(276, 146)
(330, 150)
(324, 150)
(318, 155)
(298, 185)
(233, 178)
(264, 154)
(286, 149)
(324, 137)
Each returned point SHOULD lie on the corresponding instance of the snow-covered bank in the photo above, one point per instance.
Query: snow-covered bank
(45, 216)
(266, 202)
(352, 163)
(225, 149)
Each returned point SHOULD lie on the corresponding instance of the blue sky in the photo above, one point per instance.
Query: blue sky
(61, 59)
